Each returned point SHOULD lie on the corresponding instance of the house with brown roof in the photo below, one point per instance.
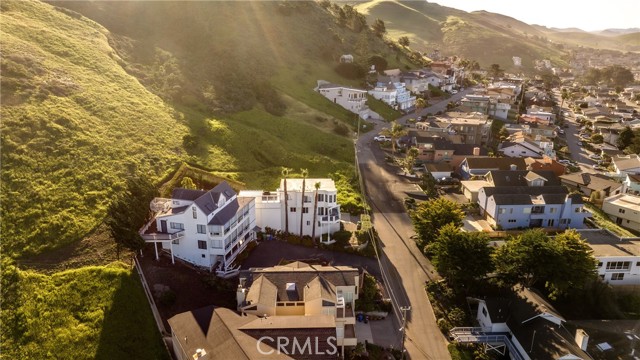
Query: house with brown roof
(220, 333)
(545, 164)
(589, 183)
(309, 292)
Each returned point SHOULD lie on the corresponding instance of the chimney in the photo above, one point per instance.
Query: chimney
(476, 151)
(241, 293)
(582, 339)
(513, 167)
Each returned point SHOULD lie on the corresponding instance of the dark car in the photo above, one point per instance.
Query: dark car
(448, 180)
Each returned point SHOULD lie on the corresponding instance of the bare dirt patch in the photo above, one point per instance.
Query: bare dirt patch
(190, 288)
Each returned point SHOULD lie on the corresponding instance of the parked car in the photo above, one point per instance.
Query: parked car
(448, 180)
(382, 138)
(595, 157)
(454, 91)
(560, 131)
(564, 162)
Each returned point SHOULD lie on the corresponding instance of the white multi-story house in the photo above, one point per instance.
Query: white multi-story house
(354, 100)
(404, 100)
(631, 184)
(520, 148)
(305, 291)
(385, 92)
(618, 258)
(624, 209)
(206, 228)
(535, 205)
(270, 206)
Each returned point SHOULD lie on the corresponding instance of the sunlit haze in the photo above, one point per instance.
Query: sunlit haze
(588, 16)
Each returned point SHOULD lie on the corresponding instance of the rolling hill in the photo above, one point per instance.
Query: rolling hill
(483, 36)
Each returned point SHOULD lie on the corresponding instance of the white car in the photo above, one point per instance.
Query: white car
(564, 162)
(454, 91)
(382, 138)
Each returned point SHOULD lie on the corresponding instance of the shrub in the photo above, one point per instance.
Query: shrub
(350, 71)
(444, 325)
(341, 129)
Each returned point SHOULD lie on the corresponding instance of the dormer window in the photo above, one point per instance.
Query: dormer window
(195, 212)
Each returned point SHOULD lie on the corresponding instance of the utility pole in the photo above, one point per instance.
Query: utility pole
(404, 310)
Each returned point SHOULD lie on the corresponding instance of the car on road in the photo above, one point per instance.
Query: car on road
(382, 138)
(454, 91)
(598, 167)
(448, 180)
(560, 131)
(564, 162)
(595, 157)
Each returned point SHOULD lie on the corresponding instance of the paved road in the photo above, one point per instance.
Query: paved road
(404, 266)
(578, 154)
(434, 108)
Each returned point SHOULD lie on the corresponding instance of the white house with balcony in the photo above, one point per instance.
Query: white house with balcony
(305, 292)
(272, 210)
(385, 92)
(354, 100)
(205, 228)
(618, 258)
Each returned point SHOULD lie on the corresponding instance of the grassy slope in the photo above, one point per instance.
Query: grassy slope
(471, 35)
(89, 313)
(71, 129)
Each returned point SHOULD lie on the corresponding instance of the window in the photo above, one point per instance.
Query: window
(619, 265)
(484, 311)
(202, 229)
(195, 212)
(178, 226)
(320, 197)
(638, 263)
(526, 211)
(202, 244)
(175, 202)
(307, 198)
(308, 223)
(511, 211)
(305, 210)
(600, 264)
(553, 210)
(621, 211)
(617, 276)
(502, 211)
(292, 209)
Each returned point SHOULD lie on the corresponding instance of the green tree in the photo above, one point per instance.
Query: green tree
(420, 104)
(495, 71)
(410, 158)
(597, 138)
(562, 263)
(404, 41)
(579, 267)
(285, 173)
(379, 62)
(129, 211)
(315, 210)
(395, 132)
(379, 28)
(461, 257)
(503, 134)
(305, 172)
(431, 215)
(634, 147)
(564, 95)
(187, 183)
(428, 185)
(625, 139)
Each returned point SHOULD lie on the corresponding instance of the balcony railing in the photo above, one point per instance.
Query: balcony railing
(477, 335)
(163, 236)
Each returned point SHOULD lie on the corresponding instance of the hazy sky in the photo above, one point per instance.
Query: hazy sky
(585, 15)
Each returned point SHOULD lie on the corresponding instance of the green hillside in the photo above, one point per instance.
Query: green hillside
(97, 312)
(485, 37)
(74, 124)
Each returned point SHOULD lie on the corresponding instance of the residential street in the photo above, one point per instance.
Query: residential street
(405, 267)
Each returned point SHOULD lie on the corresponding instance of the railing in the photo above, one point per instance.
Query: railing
(477, 335)
(163, 236)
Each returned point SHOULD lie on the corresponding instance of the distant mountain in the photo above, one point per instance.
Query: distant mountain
(484, 36)
(616, 32)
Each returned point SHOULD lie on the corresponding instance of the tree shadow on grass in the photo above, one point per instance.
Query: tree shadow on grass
(129, 330)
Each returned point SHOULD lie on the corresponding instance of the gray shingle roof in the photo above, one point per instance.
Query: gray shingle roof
(492, 163)
(186, 194)
(208, 202)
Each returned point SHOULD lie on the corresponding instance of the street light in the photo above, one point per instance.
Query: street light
(404, 310)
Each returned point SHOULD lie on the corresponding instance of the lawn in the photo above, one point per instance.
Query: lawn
(98, 312)
(602, 221)
(384, 110)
